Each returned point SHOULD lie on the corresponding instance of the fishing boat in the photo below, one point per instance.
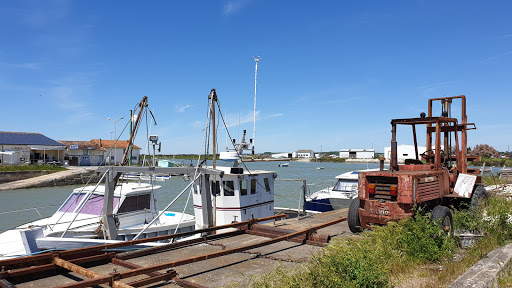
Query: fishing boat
(337, 196)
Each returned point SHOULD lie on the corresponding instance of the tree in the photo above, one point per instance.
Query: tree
(484, 150)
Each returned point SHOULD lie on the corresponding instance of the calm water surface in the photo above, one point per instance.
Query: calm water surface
(29, 203)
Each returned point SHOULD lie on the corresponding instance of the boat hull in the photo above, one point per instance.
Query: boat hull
(327, 204)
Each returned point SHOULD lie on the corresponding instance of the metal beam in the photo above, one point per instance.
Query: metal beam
(161, 170)
(46, 267)
(89, 274)
(6, 284)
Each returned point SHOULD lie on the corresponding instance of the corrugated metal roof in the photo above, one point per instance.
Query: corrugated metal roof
(23, 138)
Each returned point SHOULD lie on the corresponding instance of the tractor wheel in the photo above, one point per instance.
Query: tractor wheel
(479, 195)
(444, 214)
(353, 216)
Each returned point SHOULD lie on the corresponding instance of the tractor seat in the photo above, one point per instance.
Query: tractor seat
(413, 162)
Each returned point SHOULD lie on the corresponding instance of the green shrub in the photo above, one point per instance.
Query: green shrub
(350, 264)
(467, 219)
(424, 240)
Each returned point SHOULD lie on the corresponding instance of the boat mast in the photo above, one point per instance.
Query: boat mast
(256, 59)
(213, 99)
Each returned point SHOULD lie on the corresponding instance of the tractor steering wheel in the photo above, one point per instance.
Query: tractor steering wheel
(427, 157)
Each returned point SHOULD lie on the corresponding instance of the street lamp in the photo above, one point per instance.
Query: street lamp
(115, 137)
(110, 156)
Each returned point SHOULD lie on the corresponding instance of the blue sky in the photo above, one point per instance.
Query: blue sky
(332, 75)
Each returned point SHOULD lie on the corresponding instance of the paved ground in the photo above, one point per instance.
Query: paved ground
(44, 179)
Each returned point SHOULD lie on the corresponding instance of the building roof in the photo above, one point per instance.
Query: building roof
(110, 143)
(83, 145)
(25, 138)
(304, 151)
(357, 150)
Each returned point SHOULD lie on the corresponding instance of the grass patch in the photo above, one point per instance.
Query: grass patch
(505, 279)
(494, 180)
(406, 252)
(31, 168)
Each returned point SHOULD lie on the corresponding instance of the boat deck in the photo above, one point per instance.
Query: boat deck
(231, 269)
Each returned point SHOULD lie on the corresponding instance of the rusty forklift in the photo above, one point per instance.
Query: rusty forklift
(434, 182)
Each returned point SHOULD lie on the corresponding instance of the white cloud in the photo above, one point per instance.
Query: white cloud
(234, 6)
(499, 56)
(181, 109)
(39, 15)
(26, 65)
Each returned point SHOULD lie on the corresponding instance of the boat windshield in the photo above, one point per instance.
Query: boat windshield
(94, 205)
(345, 185)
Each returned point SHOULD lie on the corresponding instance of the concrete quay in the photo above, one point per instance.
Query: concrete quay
(74, 175)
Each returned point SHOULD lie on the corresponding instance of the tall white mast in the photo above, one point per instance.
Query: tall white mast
(256, 59)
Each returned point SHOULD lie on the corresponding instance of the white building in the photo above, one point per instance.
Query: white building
(404, 152)
(282, 155)
(305, 154)
(83, 153)
(98, 152)
(357, 153)
(114, 152)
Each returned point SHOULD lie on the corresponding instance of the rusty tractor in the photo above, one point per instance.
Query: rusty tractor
(435, 182)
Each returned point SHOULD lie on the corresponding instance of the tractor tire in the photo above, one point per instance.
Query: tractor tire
(444, 214)
(479, 195)
(354, 223)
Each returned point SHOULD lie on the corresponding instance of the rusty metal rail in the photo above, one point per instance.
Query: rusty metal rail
(95, 254)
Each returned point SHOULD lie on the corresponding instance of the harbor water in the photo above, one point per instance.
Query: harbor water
(24, 205)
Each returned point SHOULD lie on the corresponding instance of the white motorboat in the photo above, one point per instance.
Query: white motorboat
(80, 217)
(338, 196)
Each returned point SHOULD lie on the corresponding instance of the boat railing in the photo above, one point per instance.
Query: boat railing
(315, 187)
(167, 207)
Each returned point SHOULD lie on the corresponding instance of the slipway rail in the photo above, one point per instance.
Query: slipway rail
(20, 270)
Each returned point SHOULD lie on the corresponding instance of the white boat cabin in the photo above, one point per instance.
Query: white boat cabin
(240, 195)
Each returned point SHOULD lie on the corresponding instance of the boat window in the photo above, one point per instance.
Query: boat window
(253, 186)
(229, 188)
(344, 185)
(243, 187)
(93, 206)
(267, 185)
(215, 187)
(135, 203)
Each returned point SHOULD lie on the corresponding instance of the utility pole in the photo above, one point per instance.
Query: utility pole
(256, 59)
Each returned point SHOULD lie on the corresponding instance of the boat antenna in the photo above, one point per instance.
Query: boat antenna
(256, 59)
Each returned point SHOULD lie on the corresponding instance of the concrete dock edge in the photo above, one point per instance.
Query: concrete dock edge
(485, 272)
